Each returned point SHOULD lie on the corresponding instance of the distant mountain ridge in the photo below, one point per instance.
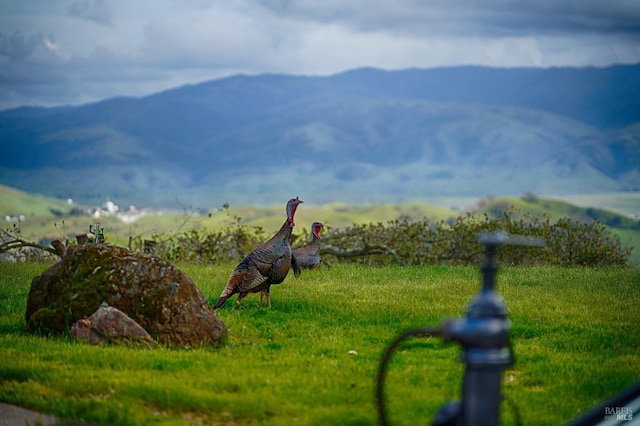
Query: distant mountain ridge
(362, 135)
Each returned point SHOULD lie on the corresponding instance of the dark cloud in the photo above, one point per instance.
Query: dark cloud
(465, 17)
(17, 47)
(563, 17)
(26, 57)
(92, 10)
(53, 52)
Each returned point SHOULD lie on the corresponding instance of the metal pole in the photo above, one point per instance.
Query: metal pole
(484, 336)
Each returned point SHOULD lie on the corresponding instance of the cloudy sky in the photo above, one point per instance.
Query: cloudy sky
(56, 52)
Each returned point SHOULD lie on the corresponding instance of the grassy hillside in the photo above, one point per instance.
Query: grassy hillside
(625, 203)
(557, 208)
(313, 357)
(14, 203)
(626, 228)
(334, 215)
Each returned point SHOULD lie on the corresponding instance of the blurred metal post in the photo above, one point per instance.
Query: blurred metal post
(484, 336)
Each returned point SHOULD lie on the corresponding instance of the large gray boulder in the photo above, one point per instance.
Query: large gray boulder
(153, 292)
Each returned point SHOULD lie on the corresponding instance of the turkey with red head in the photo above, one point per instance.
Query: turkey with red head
(308, 257)
(266, 265)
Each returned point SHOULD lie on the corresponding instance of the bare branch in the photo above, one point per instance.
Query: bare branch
(366, 250)
(9, 242)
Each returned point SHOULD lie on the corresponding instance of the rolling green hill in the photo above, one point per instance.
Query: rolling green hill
(14, 202)
(556, 208)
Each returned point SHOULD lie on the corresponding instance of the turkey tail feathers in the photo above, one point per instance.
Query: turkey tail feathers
(296, 266)
(220, 302)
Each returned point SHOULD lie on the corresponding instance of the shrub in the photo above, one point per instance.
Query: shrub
(568, 242)
(409, 242)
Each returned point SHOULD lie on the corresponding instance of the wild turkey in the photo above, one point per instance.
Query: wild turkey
(308, 257)
(266, 265)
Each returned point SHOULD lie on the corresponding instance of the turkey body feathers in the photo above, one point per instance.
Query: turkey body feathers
(308, 257)
(267, 265)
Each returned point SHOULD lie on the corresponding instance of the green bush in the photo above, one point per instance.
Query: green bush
(409, 242)
(568, 242)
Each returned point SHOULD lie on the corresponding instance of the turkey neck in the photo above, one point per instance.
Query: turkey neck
(287, 230)
(284, 233)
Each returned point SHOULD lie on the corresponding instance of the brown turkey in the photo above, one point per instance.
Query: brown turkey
(308, 257)
(266, 265)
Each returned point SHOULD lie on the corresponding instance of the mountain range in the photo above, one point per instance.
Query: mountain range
(360, 136)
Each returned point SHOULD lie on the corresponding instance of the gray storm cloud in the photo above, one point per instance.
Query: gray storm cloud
(85, 50)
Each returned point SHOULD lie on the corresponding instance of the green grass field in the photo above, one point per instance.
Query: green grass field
(575, 334)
